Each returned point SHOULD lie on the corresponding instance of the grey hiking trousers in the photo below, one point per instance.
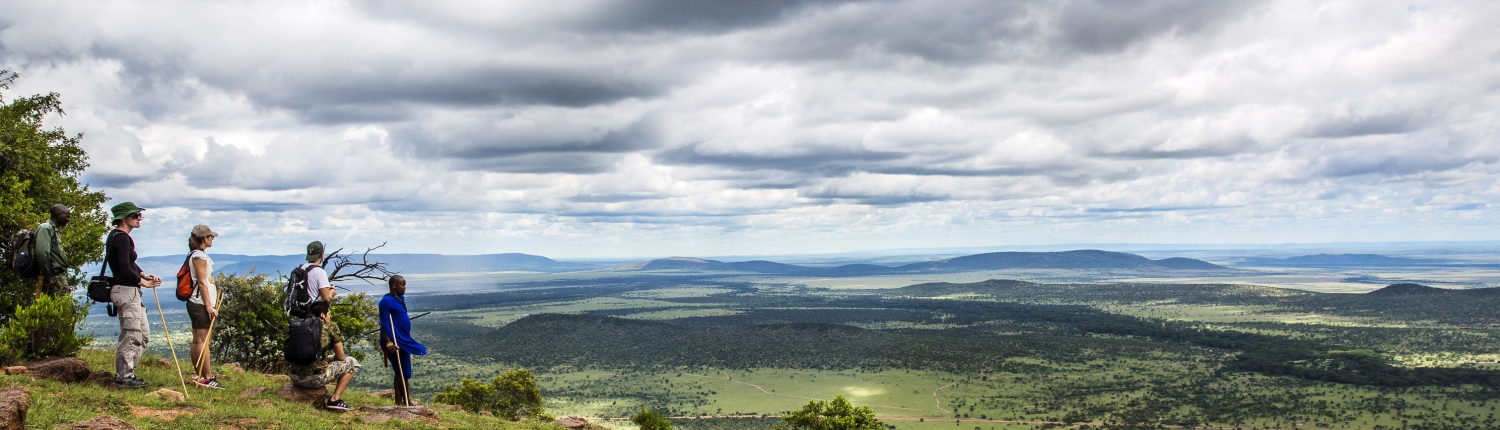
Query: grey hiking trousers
(134, 330)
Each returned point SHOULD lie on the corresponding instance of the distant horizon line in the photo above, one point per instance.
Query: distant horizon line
(927, 251)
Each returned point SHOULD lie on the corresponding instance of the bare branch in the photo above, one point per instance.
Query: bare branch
(345, 267)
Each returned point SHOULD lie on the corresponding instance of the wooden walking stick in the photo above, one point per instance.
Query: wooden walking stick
(169, 343)
(203, 355)
(405, 394)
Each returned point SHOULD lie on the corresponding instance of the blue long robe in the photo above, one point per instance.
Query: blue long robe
(393, 309)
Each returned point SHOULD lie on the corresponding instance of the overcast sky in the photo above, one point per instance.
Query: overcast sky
(602, 128)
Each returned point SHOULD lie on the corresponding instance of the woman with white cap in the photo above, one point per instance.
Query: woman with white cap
(203, 305)
(119, 255)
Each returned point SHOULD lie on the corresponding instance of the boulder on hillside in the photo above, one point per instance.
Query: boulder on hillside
(104, 378)
(380, 414)
(252, 391)
(65, 369)
(168, 395)
(574, 423)
(103, 422)
(14, 402)
(295, 394)
(15, 370)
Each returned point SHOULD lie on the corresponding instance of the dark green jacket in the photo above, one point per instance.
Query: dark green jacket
(50, 255)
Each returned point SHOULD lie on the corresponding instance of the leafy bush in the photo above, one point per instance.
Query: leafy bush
(837, 414)
(512, 394)
(650, 420)
(356, 315)
(45, 328)
(251, 327)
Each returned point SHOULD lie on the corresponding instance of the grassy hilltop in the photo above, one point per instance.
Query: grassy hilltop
(55, 404)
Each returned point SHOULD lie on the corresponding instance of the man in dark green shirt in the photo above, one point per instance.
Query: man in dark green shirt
(338, 369)
(50, 256)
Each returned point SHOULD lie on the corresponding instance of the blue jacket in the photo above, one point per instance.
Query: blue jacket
(393, 309)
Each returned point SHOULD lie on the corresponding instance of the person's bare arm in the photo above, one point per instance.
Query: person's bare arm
(338, 351)
(327, 294)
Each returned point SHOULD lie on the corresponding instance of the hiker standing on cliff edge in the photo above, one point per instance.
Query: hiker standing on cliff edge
(395, 338)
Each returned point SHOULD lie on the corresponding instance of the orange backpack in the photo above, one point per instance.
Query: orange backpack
(185, 280)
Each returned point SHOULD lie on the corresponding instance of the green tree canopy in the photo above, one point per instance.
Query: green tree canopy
(39, 167)
(836, 414)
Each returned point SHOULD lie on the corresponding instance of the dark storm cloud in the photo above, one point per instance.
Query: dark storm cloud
(822, 161)
(1392, 123)
(477, 144)
(878, 199)
(1097, 26)
(702, 16)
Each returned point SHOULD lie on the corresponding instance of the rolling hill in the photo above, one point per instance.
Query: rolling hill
(1081, 259)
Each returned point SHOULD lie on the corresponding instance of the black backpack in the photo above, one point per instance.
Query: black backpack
(303, 340)
(297, 297)
(24, 260)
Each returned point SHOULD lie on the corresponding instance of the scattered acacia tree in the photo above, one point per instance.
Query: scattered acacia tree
(39, 167)
(836, 414)
(650, 420)
(513, 394)
(44, 329)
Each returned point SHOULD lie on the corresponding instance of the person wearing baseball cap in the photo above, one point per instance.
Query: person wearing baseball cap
(120, 256)
(203, 305)
(318, 286)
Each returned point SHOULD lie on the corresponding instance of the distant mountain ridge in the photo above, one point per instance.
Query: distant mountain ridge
(1342, 260)
(1080, 259)
(404, 263)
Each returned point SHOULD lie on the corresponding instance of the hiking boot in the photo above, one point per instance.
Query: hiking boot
(208, 383)
(133, 382)
(337, 405)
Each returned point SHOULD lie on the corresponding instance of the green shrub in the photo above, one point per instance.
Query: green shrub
(512, 395)
(45, 328)
(836, 414)
(251, 327)
(356, 316)
(650, 420)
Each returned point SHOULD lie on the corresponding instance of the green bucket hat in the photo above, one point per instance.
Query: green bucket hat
(123, 210)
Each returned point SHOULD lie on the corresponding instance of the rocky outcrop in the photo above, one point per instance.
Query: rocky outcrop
(65, 369)
(103, 422)
(168, 395)
(380, 414)
(14, 402)
(574, 423)
(295, 394)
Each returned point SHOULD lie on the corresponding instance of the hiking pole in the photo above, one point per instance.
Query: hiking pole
(203, 355)
(169, 343)
(405, 394)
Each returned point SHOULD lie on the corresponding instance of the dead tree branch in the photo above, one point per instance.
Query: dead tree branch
(345, 267)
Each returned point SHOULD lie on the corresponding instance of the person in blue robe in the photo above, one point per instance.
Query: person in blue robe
(395, 339)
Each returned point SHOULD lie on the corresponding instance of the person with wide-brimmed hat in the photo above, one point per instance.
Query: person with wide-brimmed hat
(120, 256)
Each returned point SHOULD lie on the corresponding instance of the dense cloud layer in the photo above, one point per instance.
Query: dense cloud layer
(606, 127)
